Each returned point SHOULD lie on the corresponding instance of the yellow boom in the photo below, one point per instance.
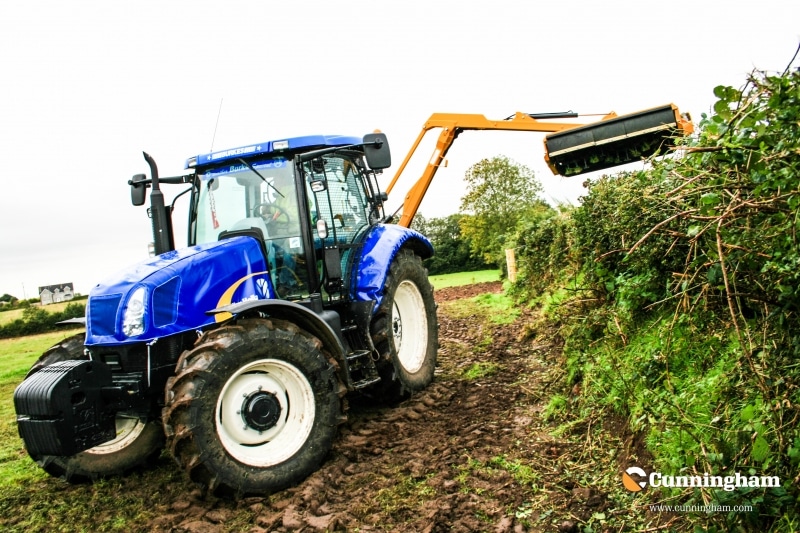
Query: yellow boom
(570, 149)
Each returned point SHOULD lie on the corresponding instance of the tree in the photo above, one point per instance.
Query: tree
(452, 249)
(7, 298)
(420, 224)
(500, 192)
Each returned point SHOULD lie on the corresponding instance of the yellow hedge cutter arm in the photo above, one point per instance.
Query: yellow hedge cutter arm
(570, 149)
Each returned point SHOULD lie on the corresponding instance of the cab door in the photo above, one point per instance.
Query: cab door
(336, 195)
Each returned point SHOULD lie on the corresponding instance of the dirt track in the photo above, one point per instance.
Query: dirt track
(467, 454)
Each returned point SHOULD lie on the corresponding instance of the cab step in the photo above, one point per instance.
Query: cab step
(361, 369)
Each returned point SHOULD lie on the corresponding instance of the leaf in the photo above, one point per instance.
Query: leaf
(719, 91)
(721, 109)
(761, 450)
(747, 413)
(793, 454)
(710, 198)
(715, 278)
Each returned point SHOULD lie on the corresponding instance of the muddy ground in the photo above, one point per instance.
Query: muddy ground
(475, 451)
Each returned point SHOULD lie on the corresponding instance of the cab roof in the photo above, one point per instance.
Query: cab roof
(277, 147)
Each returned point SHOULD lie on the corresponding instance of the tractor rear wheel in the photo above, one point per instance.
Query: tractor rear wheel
(405, 330)
(137, 443)
(254, 407)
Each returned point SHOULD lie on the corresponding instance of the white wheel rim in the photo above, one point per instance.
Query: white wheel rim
(409, 326)
(290, 389)
(128, 430)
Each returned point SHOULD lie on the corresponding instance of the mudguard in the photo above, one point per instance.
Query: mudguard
(381, 245)
(315, 323)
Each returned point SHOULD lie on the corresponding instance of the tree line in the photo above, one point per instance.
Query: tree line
(500, 195)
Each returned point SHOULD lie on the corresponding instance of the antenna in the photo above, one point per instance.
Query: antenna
(215, 126)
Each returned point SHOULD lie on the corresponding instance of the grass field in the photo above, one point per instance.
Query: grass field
(7, 317)
(442, 281)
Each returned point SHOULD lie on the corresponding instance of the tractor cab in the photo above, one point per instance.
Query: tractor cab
(308, 207)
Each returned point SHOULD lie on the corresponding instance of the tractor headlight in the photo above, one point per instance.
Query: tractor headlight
(133, 317)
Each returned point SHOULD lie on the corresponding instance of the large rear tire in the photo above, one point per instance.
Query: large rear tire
(405, 330)
(253, 409)
(138, 441)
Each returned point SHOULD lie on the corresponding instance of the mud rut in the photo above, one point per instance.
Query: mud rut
(467, 454)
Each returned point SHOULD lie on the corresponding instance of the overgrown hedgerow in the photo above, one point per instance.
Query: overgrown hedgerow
(36, 320)
(688, 317)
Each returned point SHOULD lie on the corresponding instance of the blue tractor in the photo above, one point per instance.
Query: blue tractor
(237, 352)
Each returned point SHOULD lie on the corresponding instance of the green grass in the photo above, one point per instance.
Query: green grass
(7, 317)
(407, 493)
(18, 354)
(480, 370)
(501, 308)
(442, 281)
(522, 473)
(498, 308)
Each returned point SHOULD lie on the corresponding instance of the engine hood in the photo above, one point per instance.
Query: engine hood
(176, 289)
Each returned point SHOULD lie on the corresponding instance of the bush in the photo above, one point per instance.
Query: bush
(628, 240)
(544, 248)
(36, 319)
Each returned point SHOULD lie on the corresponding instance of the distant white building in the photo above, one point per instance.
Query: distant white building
(51, 294)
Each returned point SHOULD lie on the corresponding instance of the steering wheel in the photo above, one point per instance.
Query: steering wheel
(271, 213)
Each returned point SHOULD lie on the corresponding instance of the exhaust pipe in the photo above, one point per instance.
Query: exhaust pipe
(162, 220)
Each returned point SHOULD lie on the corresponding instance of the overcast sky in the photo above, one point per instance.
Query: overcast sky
(88, 86)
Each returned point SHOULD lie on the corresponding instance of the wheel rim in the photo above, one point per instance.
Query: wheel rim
(128, 430)
(409, 326)
(265, 412)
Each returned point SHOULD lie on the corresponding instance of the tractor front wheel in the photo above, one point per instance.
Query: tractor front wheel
(253, 409)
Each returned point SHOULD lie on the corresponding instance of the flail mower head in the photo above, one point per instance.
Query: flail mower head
(615, 140)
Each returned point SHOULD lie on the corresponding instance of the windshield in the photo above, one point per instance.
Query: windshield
(235, 198)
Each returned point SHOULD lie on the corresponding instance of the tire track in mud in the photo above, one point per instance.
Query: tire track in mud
(463, 455)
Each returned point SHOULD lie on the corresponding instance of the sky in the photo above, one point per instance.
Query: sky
(88, 85)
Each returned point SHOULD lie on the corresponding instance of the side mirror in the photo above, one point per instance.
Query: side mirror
(138, 189)
(376, 149)
(319, 184)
